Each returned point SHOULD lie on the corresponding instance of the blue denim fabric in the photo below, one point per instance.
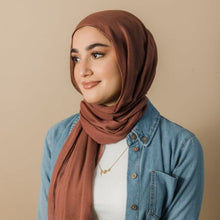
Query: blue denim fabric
(168, 161)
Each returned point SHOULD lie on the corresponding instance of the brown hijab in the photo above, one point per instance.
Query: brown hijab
(70, 192)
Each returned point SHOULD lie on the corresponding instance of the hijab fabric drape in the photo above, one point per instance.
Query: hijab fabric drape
(70, 194)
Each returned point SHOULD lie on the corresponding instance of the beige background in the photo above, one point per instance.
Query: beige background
(36, 91)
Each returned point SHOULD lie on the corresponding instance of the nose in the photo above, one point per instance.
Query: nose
(83, 68)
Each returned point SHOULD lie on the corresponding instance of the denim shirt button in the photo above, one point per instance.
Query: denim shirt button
(134, 207)
(135, 149)
(144, 139)
(133, 136)
(133, 175)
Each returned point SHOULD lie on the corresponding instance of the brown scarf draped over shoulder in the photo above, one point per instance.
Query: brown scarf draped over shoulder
(70, 194)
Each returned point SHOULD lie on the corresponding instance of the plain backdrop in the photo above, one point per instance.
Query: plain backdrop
(36, 91)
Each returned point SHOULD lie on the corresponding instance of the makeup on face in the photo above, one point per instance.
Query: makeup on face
(96, 70)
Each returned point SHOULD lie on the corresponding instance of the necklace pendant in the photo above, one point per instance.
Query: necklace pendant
(109, 169)
(105, 171)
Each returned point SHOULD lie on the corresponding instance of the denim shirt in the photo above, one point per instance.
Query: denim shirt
(167, 161)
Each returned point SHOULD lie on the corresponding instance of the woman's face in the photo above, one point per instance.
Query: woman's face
(96, 70)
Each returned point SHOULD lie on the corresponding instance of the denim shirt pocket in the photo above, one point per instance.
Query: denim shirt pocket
(162, 190)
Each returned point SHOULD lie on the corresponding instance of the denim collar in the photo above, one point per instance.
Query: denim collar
(145, 128)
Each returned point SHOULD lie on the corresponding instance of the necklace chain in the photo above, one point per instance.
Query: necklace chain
(109, 169)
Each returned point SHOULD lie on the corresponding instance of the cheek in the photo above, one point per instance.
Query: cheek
(112, 80)
(109, 70)
(76, 77)
(77, 82)
(116, 74)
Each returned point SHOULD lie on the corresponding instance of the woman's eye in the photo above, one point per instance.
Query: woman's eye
(75, 59)
(97, 54)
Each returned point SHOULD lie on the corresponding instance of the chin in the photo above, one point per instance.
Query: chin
(92, 101)
(100, 102)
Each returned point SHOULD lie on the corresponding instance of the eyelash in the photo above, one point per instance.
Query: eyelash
(93, 54)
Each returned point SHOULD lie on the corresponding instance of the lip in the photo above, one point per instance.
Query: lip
(90, 84)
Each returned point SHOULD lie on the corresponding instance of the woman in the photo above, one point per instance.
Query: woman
(118, 158)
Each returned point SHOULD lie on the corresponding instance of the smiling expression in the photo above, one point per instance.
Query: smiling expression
(96, 69)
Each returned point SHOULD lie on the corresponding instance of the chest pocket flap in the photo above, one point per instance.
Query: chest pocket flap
(162, 189)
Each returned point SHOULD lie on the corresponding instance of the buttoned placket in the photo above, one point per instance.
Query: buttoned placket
(135, 143)
(133, 181)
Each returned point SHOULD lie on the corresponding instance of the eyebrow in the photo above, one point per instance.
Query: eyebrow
(91, 46)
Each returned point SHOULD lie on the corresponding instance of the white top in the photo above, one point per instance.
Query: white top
(110, 189)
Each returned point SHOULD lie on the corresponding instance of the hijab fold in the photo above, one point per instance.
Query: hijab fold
(70, 194)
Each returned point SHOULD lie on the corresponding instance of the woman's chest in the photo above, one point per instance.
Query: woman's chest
(137, 186)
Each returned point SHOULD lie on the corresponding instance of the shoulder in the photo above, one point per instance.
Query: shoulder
(159, 129)
(61, 129)
(179, 139)
(173, 129)
(64, 123)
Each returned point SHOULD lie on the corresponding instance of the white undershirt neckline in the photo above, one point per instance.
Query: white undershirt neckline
(110, 189)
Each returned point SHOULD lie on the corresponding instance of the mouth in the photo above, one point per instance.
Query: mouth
(90, 84)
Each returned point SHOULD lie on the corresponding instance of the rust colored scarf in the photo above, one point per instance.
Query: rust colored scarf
(70, 194)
